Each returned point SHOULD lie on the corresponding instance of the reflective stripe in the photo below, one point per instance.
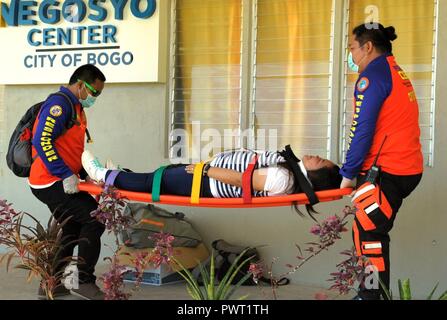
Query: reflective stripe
(371, 208)
(38, 187)
(363, 191)
(197, 183)
(372, 245)
(364, 220)
(369, 248)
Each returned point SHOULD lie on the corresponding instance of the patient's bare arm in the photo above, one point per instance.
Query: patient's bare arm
(234, 177)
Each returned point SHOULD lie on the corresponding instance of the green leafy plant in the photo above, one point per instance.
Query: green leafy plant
(405, 291)
(224, 290)
(443, 296)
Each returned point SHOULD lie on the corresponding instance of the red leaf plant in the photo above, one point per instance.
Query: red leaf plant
(110, 213)
(327, 233)
(36, 248)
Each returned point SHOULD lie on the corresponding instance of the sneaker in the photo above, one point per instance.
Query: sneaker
(88, 291)
(94, 168)
(60, 291)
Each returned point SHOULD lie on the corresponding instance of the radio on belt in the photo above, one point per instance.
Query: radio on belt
(374, 172)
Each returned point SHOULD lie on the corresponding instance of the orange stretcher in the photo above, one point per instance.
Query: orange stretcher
(256, 202)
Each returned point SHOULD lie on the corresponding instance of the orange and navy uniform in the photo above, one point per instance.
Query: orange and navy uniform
(386, 113)
(385, 105)
(57, 150)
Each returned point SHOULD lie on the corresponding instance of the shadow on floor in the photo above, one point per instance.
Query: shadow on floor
(14, 287)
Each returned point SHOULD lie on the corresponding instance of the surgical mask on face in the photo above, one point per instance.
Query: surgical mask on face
(352, 65)
(87, 102)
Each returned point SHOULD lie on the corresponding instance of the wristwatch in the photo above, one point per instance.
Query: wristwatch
(205, 169)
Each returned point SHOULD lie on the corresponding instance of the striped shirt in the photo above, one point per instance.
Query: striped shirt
(239, 161)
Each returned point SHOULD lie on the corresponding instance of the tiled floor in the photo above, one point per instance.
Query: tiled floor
(13, 286)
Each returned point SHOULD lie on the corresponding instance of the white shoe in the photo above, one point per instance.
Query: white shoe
(94, 168)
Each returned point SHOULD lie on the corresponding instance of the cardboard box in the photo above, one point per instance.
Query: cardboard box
(156, 277)
(188, 257)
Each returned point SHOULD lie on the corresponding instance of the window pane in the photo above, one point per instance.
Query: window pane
(292, 80)
(207, 67)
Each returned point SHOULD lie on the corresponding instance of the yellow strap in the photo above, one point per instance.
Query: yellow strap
(197, 183)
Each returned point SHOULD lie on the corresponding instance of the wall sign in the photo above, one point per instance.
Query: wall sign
(45, 41)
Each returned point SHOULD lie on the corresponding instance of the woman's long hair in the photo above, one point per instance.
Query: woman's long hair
(326, 178)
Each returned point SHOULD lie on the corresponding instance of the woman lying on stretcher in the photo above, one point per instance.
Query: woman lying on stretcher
(222, 177)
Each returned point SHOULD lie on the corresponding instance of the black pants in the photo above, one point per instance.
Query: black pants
(374, 242)
(175, 180)
(80, 226)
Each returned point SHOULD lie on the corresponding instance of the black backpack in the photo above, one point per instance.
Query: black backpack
(19, 157)
(227, 254)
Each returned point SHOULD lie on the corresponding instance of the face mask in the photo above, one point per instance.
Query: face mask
(87, 102)
(354, 67)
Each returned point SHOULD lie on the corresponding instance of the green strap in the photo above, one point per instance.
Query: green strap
(156, 184)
